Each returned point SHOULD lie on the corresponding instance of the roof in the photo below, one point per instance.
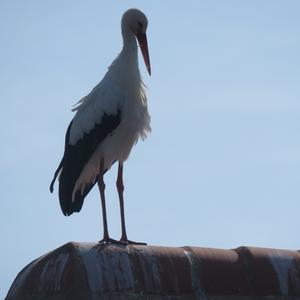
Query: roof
(93, 271)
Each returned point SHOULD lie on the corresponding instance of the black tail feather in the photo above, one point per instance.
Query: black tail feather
(55, 175)
(65, 195)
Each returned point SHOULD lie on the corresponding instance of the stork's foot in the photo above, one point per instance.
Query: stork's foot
(108, 240)
(128, 242)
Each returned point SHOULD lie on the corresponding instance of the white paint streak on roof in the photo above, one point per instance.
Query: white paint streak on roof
(89, 255)
(150, 269)
(196, 283)
(104, 270)
(282, 265)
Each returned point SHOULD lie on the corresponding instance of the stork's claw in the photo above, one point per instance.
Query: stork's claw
(128, 242)
(109, 240)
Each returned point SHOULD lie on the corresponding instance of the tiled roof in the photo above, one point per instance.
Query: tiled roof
(93, 271)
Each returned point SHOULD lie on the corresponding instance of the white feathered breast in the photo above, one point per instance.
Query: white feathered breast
(109, 97)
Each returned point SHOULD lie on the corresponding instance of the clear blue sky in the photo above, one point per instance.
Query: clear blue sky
(222, 165)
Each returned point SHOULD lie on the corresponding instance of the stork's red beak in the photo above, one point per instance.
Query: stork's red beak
(142, 40)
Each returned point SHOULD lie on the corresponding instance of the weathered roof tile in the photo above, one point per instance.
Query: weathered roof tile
(93, 271)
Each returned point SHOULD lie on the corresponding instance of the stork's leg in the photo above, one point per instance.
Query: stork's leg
(120, 187)
(101, 185)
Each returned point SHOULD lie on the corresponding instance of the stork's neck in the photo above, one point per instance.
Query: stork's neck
(129, 42)
(125, 67)
(129, 51)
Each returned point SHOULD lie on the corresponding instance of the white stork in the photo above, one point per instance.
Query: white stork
(107, 123)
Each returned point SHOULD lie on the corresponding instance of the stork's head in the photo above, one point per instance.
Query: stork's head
(136, 22)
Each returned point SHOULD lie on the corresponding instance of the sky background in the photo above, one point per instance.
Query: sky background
(222, 165)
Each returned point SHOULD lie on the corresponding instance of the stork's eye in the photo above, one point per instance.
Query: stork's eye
(140, 25)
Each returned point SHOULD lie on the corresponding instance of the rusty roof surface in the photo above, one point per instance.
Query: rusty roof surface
(93, 271)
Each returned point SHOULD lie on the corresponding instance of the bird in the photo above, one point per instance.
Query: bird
(107, 123)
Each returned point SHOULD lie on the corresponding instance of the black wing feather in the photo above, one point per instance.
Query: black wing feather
(74, 159)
